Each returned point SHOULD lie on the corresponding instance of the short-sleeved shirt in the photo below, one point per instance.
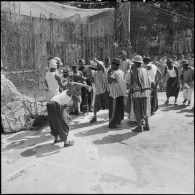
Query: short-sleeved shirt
(144, 80)
(188, 76)
(152, 72)
(100, 81)
(52, 84)
(119, 88)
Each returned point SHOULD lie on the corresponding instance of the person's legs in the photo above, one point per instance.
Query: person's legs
(84, 102)
(62, 126)
(51, 118)
(94, 119)
(89, 100)
(97, 107)
(77, 104)
(139, 105)
(189, 95)
(111, 100)
(117, 112)
(168, 90)
(184, 96)
(153, 98)
(177, 93)
(121, 108)
(146, 127)
(167, 101)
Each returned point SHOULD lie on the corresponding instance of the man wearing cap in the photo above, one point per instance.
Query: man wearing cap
(125, 63)
(53, 80)
(117, 94)
(173, 85)
(140, 89)
(155, 76)
(187, 81)
(57, 120)
(101, 86)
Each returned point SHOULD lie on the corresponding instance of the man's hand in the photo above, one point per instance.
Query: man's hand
(131, 90)
(68, 117)
(89, 88)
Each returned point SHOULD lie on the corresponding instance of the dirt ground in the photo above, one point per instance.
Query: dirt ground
(104, 160)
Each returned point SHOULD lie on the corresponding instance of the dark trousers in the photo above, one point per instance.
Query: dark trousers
(173, 87)
(57, 122)
(86, 99)
(116, 110)
(140, 108)
(154, 98)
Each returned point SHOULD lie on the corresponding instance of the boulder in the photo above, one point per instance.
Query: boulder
(17, 110)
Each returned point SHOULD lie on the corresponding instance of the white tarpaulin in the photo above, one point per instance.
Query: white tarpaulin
(47, 9)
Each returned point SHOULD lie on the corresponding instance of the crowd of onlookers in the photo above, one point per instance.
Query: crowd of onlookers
(160, 62)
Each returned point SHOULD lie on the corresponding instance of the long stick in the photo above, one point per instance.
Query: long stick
(136, 90)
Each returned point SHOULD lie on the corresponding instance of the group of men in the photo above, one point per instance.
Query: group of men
(121, 86)
(176, 61)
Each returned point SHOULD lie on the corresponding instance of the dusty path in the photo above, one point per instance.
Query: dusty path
(104, 160)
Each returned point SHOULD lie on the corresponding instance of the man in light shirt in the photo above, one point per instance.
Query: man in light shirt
(117, 94)
(187, 81)
(53, 80)
(140, 90)
(55, 108)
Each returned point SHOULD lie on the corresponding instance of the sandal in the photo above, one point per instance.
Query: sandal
(69, 143)
(138, 130)
(146, 128)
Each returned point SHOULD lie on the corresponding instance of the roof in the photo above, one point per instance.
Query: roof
(48, 8)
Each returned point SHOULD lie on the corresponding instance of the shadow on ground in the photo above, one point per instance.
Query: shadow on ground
(115, 138)
(78, 125)
(41, 150)
(104, 129)
(172, 107)
(186, 110)
(27, 139)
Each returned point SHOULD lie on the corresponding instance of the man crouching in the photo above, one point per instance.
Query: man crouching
(57, 120)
